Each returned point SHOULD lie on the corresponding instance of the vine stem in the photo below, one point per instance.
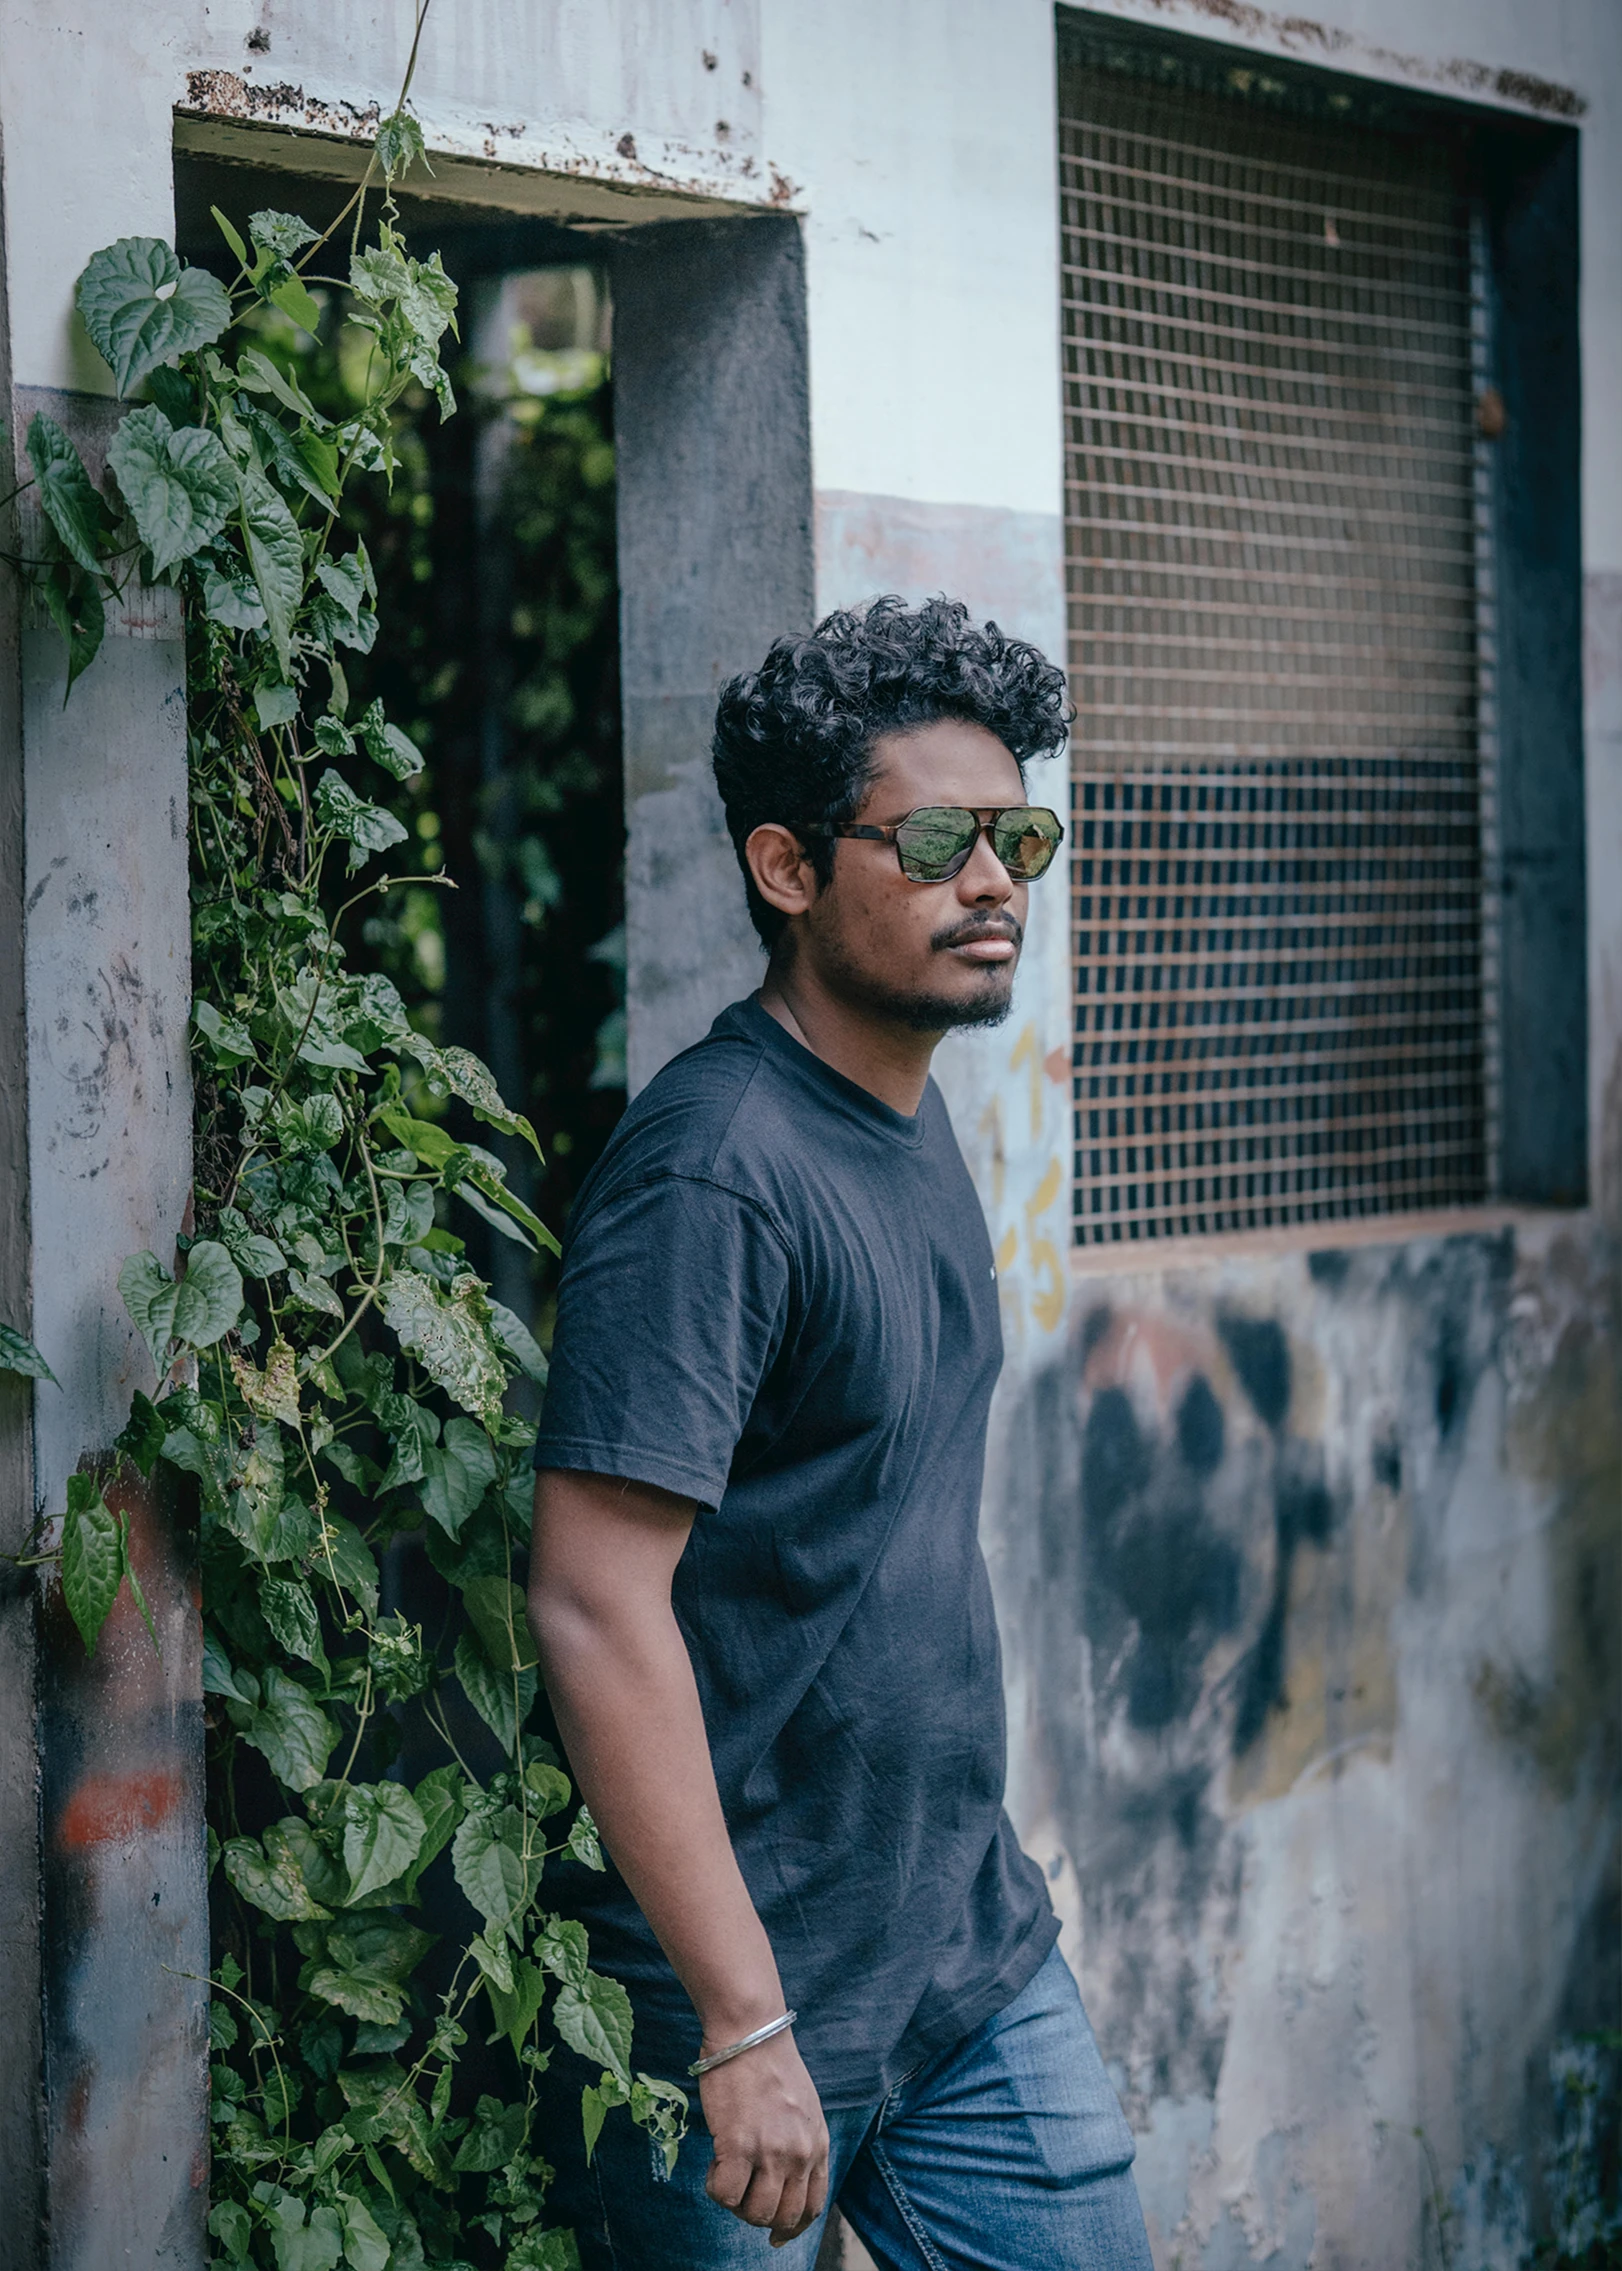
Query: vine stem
(376, 1285)
(359, 198)
(218, 1987)
(363, 1712)
(435, 1716)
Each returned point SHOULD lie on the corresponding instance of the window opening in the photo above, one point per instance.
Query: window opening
(1280, 619)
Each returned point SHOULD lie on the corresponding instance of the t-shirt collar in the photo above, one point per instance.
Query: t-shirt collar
(802, 1064)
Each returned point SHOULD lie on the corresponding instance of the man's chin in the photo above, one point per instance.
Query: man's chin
(984, 999)
(985, 1004)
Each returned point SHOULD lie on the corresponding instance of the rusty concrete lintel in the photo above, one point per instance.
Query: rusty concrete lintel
(126, 1909)
(226, 95)
(1456, 75)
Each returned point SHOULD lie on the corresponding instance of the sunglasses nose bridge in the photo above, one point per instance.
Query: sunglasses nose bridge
(996, 867)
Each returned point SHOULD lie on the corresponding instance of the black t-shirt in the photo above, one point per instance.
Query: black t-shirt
(778, 1299)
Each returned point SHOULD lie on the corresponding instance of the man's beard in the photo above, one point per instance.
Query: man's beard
(924, 1012)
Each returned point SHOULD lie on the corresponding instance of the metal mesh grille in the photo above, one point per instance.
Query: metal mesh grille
(1274, 641)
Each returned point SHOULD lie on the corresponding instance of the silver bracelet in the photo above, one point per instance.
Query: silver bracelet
(737, 2049)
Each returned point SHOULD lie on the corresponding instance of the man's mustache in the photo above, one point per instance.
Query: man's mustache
(976, 927)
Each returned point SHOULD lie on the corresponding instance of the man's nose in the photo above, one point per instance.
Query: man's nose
(983, 880)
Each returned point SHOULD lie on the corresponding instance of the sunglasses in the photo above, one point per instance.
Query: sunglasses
(935, 842)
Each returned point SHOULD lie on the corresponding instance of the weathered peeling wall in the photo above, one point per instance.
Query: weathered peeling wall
(20, 2123)
(1316, 1614)
(125, 1944)
(103, 2123)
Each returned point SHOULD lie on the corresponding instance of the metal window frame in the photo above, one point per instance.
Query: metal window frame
(1281, 1133)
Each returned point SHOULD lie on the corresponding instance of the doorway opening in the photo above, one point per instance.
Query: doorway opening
(494, 549)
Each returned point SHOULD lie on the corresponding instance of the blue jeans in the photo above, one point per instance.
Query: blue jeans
(1007, 2152)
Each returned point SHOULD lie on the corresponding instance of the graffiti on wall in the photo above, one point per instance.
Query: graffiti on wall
(1317, 1733)
(1016, 1156)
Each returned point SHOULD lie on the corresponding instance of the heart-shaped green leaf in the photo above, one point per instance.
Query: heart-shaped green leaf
(595, 2019)
(228, 1038)
(280, 234)
(383, 1834)
(92, 1557)
(276, 557)
(74, 604)
(71, 503)
(366, 828)
(487, 1856)
(455, 1478)
(561, 1946)
(292, 1731)
(501, 1699)
(472, 1080)
(495, 1610)
(149, 1294)
(209, 1300)
(288, 1607)
(178, 483)
(141, 307)
(365, 2247)
(448, 1336)
(141, 1437)
(386, 745)
(18, 1354)
(230, 595)
(274, 1886)
(399, 143)
(198, 1309)
(583, 1841)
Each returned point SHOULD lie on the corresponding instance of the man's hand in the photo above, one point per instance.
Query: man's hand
(771, 2142)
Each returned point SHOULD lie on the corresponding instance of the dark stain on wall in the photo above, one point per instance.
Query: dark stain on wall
(1202, 1570)
(1385, 1461)
(1200, 1432)
(1158, 1563)
(1449, 1362)
(1261, 1357)
(1302, 1513)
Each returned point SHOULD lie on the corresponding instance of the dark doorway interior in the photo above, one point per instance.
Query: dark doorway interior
(498, 652)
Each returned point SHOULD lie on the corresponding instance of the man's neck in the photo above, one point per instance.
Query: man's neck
(890, 1061)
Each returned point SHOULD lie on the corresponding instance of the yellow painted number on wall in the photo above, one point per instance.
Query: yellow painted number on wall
(1047, 1298)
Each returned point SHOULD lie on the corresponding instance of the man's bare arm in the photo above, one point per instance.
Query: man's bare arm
(622, 1689)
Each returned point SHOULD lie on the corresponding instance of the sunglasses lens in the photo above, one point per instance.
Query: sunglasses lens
(934, 842)
(1025, 840)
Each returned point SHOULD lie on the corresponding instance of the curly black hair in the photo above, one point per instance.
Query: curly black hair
(794, 739)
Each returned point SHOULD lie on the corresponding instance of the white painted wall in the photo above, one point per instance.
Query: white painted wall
(920, 135)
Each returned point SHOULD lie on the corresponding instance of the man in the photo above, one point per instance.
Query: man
(763, 1616)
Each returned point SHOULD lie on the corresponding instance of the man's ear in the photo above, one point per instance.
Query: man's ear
(782, 870)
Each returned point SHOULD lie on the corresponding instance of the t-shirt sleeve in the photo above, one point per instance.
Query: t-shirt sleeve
(671, 1308)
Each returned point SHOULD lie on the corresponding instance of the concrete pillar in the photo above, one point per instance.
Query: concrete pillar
(103, 2108)
(715, 560)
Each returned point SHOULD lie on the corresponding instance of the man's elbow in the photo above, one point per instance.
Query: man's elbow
(567, 1623)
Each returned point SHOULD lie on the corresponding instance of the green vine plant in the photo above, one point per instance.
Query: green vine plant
(330, 1370)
